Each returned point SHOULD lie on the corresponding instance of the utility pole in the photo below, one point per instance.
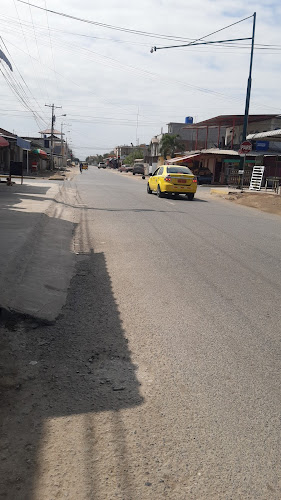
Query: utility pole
(52, 132)
(62, 146)
(248, 95)
(137, 126)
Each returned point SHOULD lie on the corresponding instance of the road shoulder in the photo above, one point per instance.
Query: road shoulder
(36, 254)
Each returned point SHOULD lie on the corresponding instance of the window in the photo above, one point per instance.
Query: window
(178, 170)
(160, 171)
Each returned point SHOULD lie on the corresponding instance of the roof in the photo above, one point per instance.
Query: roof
(49, 131)
(212, 151)
(182, 158)
(229, 120)
(5, 133)
(216, 151)
(270, 135)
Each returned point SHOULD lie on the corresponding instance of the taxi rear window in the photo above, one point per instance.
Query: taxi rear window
(178, 170)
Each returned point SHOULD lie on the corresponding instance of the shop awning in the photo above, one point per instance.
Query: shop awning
(174, 161)
(270, 135)
(3, 142)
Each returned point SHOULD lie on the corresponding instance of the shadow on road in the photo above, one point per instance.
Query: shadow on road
(81, 365)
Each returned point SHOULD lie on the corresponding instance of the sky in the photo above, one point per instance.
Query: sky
(113, 90)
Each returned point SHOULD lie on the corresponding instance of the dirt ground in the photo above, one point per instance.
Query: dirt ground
(270, 203)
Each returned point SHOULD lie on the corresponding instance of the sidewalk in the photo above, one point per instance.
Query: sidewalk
(58, 175)
(36, 258)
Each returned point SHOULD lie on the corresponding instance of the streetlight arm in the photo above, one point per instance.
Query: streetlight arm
(153, 49)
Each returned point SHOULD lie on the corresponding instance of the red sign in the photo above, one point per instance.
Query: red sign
(245, 147)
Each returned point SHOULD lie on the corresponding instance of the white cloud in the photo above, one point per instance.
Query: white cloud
(102, 82)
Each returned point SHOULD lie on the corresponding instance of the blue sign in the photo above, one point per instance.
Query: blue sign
(262, 145)
(22, 143)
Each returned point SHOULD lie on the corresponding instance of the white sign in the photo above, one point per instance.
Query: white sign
(256, 179)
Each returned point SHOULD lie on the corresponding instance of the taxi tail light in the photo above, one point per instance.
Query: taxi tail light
(168, 178)
(194, 180)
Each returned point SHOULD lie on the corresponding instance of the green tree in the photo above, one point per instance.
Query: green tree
(171, 144)
(138, 154)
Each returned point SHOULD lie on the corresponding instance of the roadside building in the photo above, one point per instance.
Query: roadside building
(14, 153)
(122, 151)
(269, 144)
(221, 163)
(194, 135)
(228, 129)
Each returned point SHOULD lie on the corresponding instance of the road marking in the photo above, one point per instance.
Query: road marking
(171, 203)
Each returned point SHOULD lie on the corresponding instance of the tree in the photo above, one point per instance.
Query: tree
(138, 154)
(171, 144)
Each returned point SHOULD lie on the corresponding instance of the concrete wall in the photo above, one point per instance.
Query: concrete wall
(188, 135)
(253, 128)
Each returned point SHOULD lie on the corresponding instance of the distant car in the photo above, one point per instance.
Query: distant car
(174, 180)
(204, 176)
(101, 164)
(125, 168)
(85, 166)
(138, 168)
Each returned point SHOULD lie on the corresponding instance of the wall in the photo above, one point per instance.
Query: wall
(188, 135)
(253, 128)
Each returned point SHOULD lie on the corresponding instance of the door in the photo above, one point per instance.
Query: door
(153, 180)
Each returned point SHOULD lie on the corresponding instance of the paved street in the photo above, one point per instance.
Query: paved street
(160, 378)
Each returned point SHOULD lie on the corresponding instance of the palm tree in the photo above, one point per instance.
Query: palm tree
(171, 144)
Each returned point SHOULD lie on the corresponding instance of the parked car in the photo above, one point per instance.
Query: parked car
(204, 176)
(138, 168)
(174, 180)
(101, 164)
(125, 168)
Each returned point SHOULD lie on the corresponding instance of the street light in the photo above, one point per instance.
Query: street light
(249, 85)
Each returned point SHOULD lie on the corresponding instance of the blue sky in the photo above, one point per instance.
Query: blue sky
(106, 81)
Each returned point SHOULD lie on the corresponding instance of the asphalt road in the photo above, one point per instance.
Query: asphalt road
(198, 288)
(161, 376)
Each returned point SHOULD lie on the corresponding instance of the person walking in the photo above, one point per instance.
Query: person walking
(81, 168)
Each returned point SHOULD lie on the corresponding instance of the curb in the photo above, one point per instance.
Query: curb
(219, 191)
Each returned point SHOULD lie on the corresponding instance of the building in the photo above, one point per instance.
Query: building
(221, 164)
(122, 151)
(228, 129)
(13, 152)
(194, 135)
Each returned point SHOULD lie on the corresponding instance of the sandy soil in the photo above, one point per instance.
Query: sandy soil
(270, 203)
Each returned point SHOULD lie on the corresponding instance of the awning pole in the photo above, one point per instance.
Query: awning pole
(27, 170)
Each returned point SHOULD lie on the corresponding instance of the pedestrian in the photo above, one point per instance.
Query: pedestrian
(81, 168)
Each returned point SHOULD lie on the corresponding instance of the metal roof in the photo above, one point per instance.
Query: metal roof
(228, 120)
(182, 158)
(270, 135)
(48, 131)
(216, 151)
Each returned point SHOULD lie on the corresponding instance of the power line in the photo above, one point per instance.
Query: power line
(39, 55)
(25, 41)
(109, 26)
(205, 36)
(51, 45)
(261, 47)
(19, 90)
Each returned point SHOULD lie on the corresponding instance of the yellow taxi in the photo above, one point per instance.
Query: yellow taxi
(172, 179)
